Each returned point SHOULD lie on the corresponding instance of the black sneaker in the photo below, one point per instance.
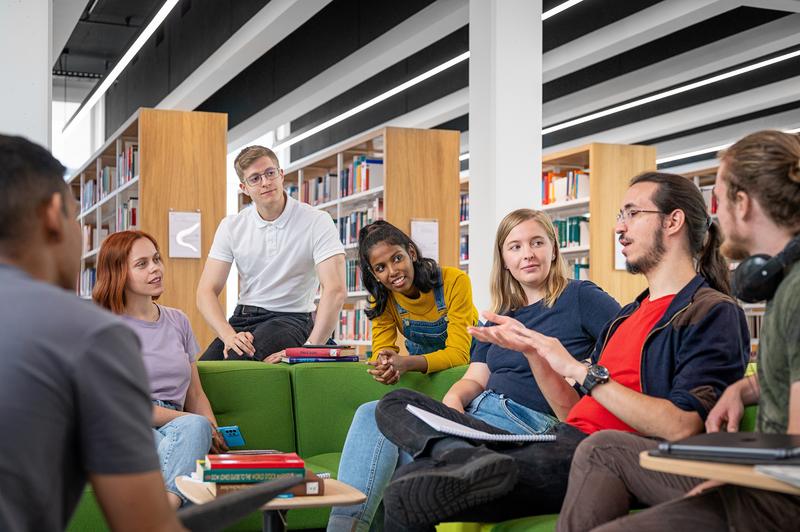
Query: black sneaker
(461, 479)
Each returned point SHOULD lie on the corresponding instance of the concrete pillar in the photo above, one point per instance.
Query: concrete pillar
(26, 64)
(505, 123)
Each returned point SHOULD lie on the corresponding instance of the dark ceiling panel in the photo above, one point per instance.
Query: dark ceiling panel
(695, 36)
(751, 80)
(196, 29)
(586, 17)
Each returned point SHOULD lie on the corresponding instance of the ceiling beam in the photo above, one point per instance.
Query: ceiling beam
(721, 55)
(640, 28)
(65, 16)
(742, 103)
(410, 36)
(265, 29)
(792, 6)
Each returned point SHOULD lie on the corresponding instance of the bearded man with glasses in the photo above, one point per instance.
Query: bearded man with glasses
(283, 251)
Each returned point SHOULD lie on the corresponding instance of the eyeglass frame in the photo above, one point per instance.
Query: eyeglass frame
(626, 215)
(262, 176)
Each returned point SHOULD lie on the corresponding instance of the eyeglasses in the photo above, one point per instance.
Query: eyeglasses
(270, 174)
(626, 215)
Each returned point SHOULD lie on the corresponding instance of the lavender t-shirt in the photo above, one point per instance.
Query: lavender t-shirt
(169, 349)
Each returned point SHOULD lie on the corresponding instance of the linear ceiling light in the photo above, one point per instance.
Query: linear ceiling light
(559, 8)
(374, 101)
(705, 150)
(123, 62)
(671, 92)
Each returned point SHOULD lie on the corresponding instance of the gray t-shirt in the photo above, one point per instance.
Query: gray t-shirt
(73, 401)
(779, 354)
(168, 349)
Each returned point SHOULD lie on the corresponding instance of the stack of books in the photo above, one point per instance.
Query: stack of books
(319, 353)
(233, 472)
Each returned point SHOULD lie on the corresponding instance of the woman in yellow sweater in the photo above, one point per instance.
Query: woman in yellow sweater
(431, 306)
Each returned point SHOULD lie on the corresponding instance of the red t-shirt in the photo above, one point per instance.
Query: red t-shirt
(622, 357)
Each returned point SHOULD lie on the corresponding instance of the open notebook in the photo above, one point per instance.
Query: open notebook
(457, 429)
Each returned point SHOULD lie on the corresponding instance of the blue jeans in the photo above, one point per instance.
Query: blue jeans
(369, 459)
(180, 443)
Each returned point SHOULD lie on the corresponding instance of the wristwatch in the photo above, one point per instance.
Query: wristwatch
(596, 374)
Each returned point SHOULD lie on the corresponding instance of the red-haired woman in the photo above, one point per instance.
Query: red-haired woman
(129, 279)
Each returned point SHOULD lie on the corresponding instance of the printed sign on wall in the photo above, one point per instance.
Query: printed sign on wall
(184, 235)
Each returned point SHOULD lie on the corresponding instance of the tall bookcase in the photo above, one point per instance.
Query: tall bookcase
(704, 179)
(156, 162)
(610, 168)
(396, 174)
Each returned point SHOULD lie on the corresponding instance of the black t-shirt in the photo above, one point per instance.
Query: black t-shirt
(74, 400)
(576, 318)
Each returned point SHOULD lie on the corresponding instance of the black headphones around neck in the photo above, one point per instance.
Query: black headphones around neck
(757, 278)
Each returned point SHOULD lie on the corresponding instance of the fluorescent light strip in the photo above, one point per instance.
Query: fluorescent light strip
(706, 150)
(671, 92)
(463, 156)
(559, 8)
(123, 62)
(374, 101)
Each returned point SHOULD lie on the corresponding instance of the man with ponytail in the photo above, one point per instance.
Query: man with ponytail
(656, 371)
(758, 194)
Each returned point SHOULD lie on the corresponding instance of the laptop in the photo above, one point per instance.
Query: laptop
(735, 447)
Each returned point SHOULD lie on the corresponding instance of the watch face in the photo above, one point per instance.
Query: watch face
(599, 372)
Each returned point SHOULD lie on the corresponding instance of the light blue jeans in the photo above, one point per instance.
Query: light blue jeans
(369, 459)
(180, 443)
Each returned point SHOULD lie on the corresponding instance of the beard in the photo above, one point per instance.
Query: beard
(733, 247)
(651, 257)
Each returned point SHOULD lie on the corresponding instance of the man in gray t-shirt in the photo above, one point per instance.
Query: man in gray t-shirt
(73, 391)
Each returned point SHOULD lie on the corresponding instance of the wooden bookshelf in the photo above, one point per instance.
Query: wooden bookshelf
(420, 181)
(610, 168)
(181, 168)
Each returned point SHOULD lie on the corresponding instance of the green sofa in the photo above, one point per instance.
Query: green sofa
(305, 408)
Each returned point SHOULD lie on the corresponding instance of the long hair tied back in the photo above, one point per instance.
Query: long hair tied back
(427, 273)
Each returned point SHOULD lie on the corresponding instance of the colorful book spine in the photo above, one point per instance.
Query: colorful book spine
(314, 352)
(304, 360)
(233, 476)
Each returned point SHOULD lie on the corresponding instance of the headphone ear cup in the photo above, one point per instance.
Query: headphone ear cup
(757, 278)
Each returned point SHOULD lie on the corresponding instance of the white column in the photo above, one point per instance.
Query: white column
(25, 93)
(505, 123)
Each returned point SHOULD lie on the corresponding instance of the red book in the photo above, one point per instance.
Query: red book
(255, 461)
(306, 351)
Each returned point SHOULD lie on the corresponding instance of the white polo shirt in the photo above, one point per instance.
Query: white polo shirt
(276, 260)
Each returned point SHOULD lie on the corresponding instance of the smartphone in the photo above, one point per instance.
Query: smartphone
(232, 435)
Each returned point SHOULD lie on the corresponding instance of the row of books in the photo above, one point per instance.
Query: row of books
(127, 162)
(105, 177)
(754, 325)
(463, 247)
(710, 198)
(350, 225)
(319, 189)
(463, 207)
(92, 237)
(86, 282)
(559, 185)
(579, 268)
(362, 174)
(354, 324)
(352, 276)
(127, 215)
(293, 191)
(572, 231)
(89, 194)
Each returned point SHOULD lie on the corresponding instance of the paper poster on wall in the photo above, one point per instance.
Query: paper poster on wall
(425, 234)
(184, 235)
(619, 258)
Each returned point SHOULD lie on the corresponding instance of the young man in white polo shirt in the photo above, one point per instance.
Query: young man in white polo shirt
(277, 245)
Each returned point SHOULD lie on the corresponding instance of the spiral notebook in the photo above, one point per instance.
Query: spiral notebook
(457, 429)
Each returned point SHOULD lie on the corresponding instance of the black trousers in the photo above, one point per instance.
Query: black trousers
(542, 467)
(272, 332)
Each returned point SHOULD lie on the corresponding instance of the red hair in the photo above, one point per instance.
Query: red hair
(112, 269)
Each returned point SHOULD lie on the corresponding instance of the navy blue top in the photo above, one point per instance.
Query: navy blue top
(576, 318)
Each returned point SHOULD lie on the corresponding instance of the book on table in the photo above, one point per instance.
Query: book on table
(313, 486)
(249, 468)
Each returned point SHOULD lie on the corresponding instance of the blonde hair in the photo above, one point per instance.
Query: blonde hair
(249, 155)
(507, 293)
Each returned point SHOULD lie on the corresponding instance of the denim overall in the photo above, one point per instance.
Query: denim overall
(424, 337)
